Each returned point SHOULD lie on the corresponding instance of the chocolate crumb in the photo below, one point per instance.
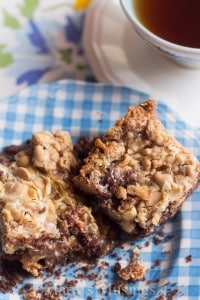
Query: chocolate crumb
(160, 232)
(88, 268)
(156, 263)
(171, 294)
(157, 240)
(169, 237)
(161, 297)
(174, 284)
(148, 282)
(153, 281)
(113, 255)
(81, 276)
(188, 258)
(103, 265)
(26, 288)
(117, 266)
(121, 288)
(92, 276)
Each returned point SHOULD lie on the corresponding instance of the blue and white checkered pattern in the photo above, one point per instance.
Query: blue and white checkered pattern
(90, 109)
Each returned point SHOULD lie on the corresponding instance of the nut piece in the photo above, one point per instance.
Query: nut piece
(160, 178)
(121, 193)
(22, 173)
(13, 189)
(39, 182)
(53, 151)
(22, 159)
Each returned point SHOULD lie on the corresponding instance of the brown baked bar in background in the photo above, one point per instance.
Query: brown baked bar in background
(138, 173)
(42, 219)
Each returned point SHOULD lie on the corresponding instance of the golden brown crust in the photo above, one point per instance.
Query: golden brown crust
(138, 172)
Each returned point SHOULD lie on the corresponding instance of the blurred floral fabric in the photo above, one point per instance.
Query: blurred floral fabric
(40, 41)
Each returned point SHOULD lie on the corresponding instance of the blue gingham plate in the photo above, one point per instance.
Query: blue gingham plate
(89, 109)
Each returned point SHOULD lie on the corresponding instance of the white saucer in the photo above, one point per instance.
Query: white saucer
(119, 56)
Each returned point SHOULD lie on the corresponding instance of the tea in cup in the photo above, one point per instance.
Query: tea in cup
(171, 26)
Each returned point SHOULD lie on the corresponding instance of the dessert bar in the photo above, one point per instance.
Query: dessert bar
(137, 173)
(42, 219)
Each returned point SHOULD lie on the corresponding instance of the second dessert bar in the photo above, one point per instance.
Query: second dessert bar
(137, 173)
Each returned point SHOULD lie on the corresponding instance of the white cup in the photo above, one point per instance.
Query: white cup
(185, 56)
